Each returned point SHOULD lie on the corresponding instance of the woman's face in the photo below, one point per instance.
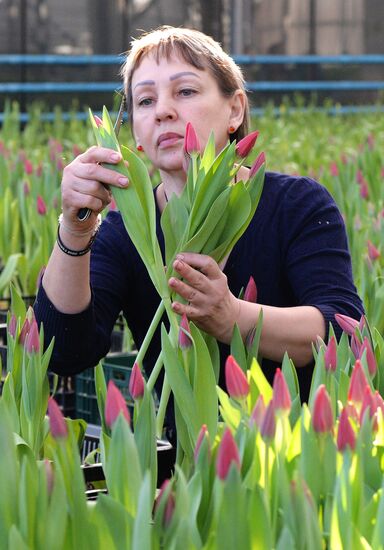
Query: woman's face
(165, 97)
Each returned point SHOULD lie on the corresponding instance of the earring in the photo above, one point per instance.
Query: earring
(231, 129)
(139, 147)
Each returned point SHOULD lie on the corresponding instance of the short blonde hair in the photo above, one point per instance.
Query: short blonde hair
(197, 49)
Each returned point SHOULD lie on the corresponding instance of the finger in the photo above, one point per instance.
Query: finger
(85, 193)
(189, 293)
(97, 172)
(188, 309)
(201, 262)
(98, 154)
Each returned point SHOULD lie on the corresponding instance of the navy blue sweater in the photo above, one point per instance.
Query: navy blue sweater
(295, 248)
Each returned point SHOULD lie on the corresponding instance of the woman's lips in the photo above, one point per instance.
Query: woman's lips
(168, 140)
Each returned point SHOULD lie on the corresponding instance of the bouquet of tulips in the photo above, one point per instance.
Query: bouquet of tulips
(209, 217)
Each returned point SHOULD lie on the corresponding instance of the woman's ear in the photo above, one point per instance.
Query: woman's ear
(237, 109)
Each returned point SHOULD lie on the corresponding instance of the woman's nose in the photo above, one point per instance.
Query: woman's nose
(165, 109)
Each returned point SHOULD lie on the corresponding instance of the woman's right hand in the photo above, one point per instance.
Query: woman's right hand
(83, 185)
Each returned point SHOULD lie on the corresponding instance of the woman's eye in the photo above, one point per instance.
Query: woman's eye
(185, 92)
(144, 101)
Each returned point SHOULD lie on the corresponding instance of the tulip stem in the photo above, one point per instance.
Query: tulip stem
(165, 393)
(148, 337)
(155, 372)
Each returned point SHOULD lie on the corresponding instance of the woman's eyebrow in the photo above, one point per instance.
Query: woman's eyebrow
(145, 83)
(172, 77)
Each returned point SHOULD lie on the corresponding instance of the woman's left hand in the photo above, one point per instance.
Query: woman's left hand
(210, 303)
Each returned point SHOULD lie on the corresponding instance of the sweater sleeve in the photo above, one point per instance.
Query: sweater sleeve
(82, 339)
(317, 256)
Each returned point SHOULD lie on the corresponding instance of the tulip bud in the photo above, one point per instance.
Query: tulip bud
(364, 190)
(379, 402)
(57, 423)
(369, 402)
(24, 331)
(191, 141)
(32, 342)
(98, 121)
(281, 395)
(258, 412)
(114, 405)
(235, 379)
(256, 165)
(12, 327)
(227, 453)
(334, 169)
(41, 206)
(28, 167)
(250, 294)
(185, 340)
(322, 416)
(355, 346)
(136, 383)
(169, 505)
(268, 425)
(245, 145)
(373, 252)
(347, 324)
(330, 355)
(26, 189)
(203, 435)
(345, 434)
(357, 383)
(370, 356)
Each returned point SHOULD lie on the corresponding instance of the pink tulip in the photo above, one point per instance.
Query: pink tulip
(256, 165)
(370, 356)
(322, 416)
(330, 355)
(258, 412)
(355, 346)
(364, 190)
(185, 340)
(39, 170)
(24, 331)
(169, 505)
(379, 402)
(347, 324)
(228, 453)
(268, 425)
(191, 141)
(136, 383)
(281, 395)
(250, 294)
(369, 402)
(57, 423)
(245, 145)
(373, 252)
(359, 177)
(41, 206)
(203, 434)
(28, 167)
(357, 383)
(334, 169)
(352, 411)
(235, 379)
(114, 405)
(98, 121)
(345, 434)
(32, 342)
(26, 189)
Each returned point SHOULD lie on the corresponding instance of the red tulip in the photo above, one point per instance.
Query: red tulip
(347, 324)
(235, 379)
(24, 331)
(268, 424)
(330, 355)
(257, 165)
(114, 405)
(203, 434)
(191, 141)
(373, 252)
(250, 294)
(228, 453)
(258, 412)
(357, 383)
(322, 416)
(334, 169)
(57, 423)
(245, 145)
(345, 434)
(32, 341)
(370, 356)
(12, 327)
(136, 383)
(41, 206)
(369, 402)
(185, 340)
(28, 167)
(169, 505)
(98, 121)
(364, 190)
(281, 395)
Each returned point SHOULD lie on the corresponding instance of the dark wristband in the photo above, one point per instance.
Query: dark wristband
(69, 251)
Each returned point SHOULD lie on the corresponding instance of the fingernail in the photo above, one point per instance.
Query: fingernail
(115, 156)
(180, 257)
(123, 181)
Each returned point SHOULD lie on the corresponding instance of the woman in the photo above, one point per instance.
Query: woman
(295, 247)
